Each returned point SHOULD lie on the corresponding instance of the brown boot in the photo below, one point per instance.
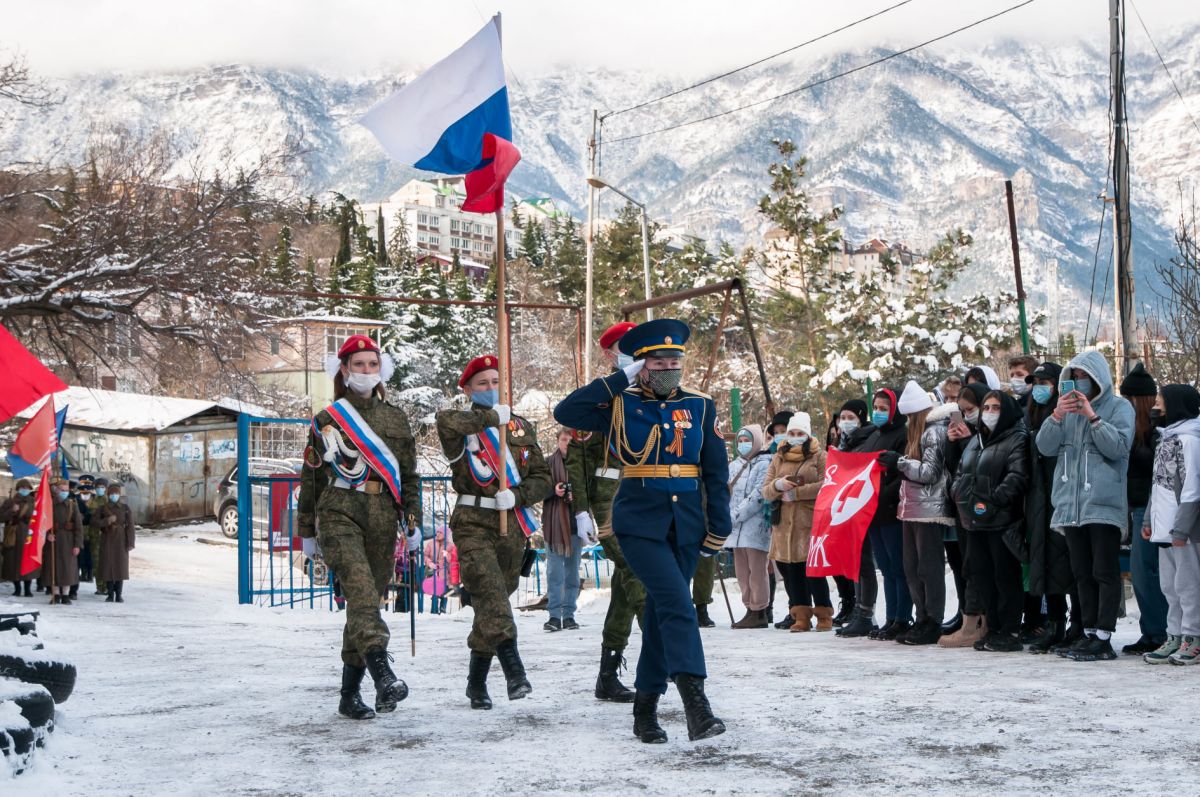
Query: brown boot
(974, 628)
(824, 615)
(802, 615)
(745, 622)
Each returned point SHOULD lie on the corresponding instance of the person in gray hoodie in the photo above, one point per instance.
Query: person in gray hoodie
(1091, 433)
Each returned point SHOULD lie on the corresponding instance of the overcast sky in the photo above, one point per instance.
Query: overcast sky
(674, 37)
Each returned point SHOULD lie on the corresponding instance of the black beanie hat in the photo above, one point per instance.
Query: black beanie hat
(1139, 383)
(858, 407)
(781, 419)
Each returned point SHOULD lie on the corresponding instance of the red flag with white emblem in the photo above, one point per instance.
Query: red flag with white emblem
(843, 511)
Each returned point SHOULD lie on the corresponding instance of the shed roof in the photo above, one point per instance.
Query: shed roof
(133, 412)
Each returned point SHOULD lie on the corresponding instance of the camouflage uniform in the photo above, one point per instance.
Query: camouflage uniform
(93, 536)
(357, 530)
(490, 564)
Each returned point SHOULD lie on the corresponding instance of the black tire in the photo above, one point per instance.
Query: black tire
(24, 622)
(16, 744)
(37, 706)
(228, 521)
(57, 676)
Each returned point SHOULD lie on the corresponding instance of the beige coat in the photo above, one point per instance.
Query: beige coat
(68, 536)
(115, 522)
(790, 537)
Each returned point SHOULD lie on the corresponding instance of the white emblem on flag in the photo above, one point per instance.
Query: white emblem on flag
(854, 495)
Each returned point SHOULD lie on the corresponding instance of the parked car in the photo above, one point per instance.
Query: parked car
(225, 504)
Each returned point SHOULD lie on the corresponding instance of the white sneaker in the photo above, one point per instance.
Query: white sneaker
(1165, 650)
(1188, 653)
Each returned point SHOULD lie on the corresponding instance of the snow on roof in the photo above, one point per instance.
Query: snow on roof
(134, 412)
(333, 319)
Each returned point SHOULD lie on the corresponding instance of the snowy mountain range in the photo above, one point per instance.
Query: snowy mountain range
(910, 148)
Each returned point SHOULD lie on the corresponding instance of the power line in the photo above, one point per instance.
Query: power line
(723, 75)
(822, 81)
(1162, 61)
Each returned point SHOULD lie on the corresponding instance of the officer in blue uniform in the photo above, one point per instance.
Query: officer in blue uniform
(672, 507)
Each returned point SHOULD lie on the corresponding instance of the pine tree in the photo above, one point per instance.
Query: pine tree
(399, 248)
(381, 251)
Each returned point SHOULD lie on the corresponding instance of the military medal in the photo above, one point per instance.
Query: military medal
(683, 420)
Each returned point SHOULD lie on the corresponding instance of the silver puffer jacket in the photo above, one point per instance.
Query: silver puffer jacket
(925, 489)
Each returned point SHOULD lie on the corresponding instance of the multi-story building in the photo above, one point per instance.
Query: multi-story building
(888, 263)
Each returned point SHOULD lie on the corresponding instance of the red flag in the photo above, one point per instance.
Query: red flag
(485, 185)
(843, 511)
(40, 525)
(23, 378)
(39, 439)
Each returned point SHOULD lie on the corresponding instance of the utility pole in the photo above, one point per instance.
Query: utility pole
(590, 240)
(1126, 322)
(1016, 252)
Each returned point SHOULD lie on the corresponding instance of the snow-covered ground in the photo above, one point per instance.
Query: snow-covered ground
(182, 691)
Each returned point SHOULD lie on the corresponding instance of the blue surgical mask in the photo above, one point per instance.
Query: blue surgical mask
(63, 495)
(114, 498)
(24, 493)
(745, 447)
(1084, 386)
(1042, 393)
(879, 417)
(780, 439)
(624, 360)
(486, 398)
(100, 491)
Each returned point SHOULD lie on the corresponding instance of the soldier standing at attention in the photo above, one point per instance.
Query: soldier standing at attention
(600, 472)
(94, 532)
(359, 482)
(87, 487)
(489, 561)
(64, 541)
(669, 443)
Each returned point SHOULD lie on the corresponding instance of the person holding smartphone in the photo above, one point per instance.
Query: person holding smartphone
(1091, 433)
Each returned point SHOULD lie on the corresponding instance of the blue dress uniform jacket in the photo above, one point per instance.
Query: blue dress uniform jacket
(661, 521)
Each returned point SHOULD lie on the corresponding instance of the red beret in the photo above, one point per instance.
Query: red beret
(615, 333)
(488, 362)
(357, 343)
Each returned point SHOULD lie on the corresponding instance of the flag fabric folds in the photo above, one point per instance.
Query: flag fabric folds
(843, 511)
(40, 525)
(23, 378)
(485, 185)
(36, 441)
(21, 469)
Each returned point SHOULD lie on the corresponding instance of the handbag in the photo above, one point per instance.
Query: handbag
(527, 560)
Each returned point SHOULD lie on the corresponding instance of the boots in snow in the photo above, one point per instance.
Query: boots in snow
(1072, 638)
(1165, 650)
(824, 615)
(953, 624)
(477, 681)
(701, 723)
(786, 622)
(926, 632)
(389, 690)
(860, 625)
(351, 704)
(702, 617)
(845, 612)
(1145, 644)
(1003, 643)
(514, 670)
(756, 618)
(897, 628)
(608, 682)
(645, 718)
(1095, 649)
(801, 618)
(974, 629)
(1054, 634)
(885, 628)
(119, 588)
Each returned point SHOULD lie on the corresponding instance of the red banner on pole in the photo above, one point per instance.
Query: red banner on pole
(40, 524)
(39, 438)
(844, 509)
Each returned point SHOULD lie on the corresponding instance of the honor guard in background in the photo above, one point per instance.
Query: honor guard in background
(63, 543)
(87, 491)
(489, 561)
(359, 485)
(600, 472)
(672, 506)
(94, 536)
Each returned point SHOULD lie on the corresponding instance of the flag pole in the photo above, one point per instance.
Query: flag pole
(502, 354)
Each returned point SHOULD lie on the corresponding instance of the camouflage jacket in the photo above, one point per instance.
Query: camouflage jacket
(453, 427)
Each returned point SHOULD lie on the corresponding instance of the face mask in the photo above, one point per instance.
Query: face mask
(63, 495)
(114, 498)
(1019, 386)
(24, 493)
(486, 398)
(1042, 393)
(990, 419)
(780, 439)
(879, 417)
(971, 417)
(624, 360)
(100, 491)
(661, 383)
(1158, 418)
(362, 384)
(848, 427)
(797, 442)
(1084, 386)
(745, 447)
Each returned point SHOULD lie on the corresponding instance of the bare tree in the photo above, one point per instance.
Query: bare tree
(1176, 347)
(18, 85)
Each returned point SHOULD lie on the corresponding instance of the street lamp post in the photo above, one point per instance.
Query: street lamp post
(599, 184)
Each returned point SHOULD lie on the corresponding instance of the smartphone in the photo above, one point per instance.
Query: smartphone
(1066, 386)
(956, 416)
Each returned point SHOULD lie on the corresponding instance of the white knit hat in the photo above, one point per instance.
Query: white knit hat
(801, 421)
(913, 399)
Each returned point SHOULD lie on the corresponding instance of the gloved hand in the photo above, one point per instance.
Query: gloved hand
(504, 413)
(889, 459)
(583, 525)
(633, 369)
(505, 500)
(783, 485)
(414, 539)
(310, 547)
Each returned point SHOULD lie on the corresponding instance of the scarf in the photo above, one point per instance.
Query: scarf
(556, 512)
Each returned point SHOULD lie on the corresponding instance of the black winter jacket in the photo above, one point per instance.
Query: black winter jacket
(892, 436)
(994, 473)
(1049, 559)
(1141, 472)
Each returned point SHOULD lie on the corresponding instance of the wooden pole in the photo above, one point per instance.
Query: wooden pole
(1016, 252)
(502, 355)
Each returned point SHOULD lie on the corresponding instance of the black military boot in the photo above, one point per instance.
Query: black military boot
(111, 593)
(351, 704)
(514, 670)
(1055, 633)
(702, 617)
(701, 723)
(859, 626)
(389, 690)
(119, 587)
(608, 682)
(845, 613)
(645, 718)
(477, 681)
(28, 592)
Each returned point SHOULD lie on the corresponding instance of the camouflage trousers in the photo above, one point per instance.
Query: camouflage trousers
(357, 533)
(93, 541)
(490, 565)
(628, 597)
(702, 581)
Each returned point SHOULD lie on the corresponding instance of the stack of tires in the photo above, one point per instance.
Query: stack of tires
(31, 683)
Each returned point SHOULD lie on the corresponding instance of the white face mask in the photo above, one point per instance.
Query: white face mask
(848, 426)
(362, 384)
(624, 360)
(1018, 385)
(798, 440)
(990, 419)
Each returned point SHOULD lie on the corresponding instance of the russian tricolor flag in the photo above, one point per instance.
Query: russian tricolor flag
(454, 119)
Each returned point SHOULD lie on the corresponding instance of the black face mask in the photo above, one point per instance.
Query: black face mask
(1158, 418)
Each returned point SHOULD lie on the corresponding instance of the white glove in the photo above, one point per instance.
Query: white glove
(505, 500)
(583, 525)
(414, 540)
(309, 546)
(633, 369)
(504, 413)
